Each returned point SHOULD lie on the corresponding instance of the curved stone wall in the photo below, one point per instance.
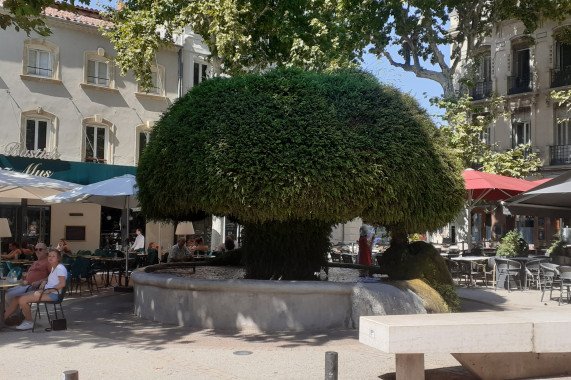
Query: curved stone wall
(258, 305)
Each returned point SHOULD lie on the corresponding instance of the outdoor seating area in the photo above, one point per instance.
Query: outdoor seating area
(512, 274)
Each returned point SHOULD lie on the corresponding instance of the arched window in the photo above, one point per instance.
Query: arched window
(143, 136)
(97, 146)
(38, 131)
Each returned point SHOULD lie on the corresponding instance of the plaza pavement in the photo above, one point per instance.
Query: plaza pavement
(105, 340)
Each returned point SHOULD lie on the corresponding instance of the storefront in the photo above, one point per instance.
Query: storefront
(82, 224)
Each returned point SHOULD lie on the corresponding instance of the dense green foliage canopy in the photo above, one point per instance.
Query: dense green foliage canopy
(296, 145)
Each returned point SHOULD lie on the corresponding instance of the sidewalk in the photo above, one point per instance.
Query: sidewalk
(106, 341)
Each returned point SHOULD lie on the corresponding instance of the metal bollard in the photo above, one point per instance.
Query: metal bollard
(71, 375)
(331, 368)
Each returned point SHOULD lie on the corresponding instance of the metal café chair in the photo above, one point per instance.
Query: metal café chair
(549, 277)
(533, 272)
(509, 270)
(564, 281)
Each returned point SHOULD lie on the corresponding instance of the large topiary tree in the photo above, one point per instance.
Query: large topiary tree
(290, 153)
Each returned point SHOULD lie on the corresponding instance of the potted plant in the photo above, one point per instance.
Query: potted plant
(512, 245)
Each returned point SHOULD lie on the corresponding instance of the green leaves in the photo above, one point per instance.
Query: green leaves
(466, 127)
(300, 145)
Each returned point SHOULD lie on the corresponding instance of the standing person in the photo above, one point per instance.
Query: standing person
(55, 283)
(179, 251)
(364, 250)
(139, 244)
(15, 251)
(37, 273)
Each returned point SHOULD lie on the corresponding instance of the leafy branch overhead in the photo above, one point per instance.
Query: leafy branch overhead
(28, 16)
(246, 36)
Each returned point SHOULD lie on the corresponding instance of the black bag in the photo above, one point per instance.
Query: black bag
(59, 324)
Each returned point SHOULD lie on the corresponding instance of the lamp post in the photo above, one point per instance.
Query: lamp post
(4, 232)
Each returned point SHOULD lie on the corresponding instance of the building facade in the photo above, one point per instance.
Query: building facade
(67, 113)
(525, 71)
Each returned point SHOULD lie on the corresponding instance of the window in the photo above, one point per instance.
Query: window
(95, 142)
(97, 73)
(36, 134)
(41, 60)
(562, 129)
(521, 80)
(143, 136)
(521, 128)
(200, 73)
(157, 82)
(39, 63)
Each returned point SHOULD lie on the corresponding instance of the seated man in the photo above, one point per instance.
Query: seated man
(179, 251)
(38, 272)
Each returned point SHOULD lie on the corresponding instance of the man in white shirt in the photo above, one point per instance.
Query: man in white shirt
(139, 244)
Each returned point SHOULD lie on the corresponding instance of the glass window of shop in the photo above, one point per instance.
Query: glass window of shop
(111, 225)
(35, 227)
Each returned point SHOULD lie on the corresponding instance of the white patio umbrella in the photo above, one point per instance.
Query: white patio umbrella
(118, 192)
(27, 186)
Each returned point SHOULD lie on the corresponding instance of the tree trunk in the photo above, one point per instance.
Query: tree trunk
(292, 250)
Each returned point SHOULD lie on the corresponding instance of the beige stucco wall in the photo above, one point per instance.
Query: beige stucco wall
(91, 219)
(71, 103)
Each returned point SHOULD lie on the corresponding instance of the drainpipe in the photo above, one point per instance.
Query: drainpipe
(180, 73)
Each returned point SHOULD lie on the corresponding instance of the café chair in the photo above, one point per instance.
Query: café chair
(549, 277)
(564, 281)
(61, 296)
(508, 269)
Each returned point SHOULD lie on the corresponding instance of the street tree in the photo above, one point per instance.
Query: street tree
(466, 127)
(422, 29)
(290, 153)
(245, 36)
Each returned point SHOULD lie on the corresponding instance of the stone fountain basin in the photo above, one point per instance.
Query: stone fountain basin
(260, 305)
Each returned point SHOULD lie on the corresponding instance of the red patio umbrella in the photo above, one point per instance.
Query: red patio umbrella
(490, 187)
(493, 187)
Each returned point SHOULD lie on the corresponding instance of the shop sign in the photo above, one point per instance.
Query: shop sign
(15, 149)
(34, 169)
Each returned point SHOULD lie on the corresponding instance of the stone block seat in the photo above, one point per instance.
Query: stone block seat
(492, 345)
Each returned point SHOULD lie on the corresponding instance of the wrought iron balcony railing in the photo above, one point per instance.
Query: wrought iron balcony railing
(481, 90)
(561, 77)
(560, 154)
(519, 84)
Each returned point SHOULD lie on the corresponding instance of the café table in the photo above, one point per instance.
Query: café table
(109, 263)
(469, 260)
(4, 286)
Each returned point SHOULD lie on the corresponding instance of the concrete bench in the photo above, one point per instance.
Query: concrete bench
(492, 345)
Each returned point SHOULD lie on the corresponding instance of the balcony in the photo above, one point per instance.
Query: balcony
(561, 77)
(481, 90)
(519, 84)
(560, 154)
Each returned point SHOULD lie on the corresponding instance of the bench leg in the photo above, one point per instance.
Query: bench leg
(410, 366)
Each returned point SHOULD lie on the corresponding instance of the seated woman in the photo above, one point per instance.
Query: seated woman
(15, 251)
(56, 282)
(26, 250)
(63, 247)
(200, 245)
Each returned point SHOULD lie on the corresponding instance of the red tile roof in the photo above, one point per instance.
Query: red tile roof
(81, 15)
